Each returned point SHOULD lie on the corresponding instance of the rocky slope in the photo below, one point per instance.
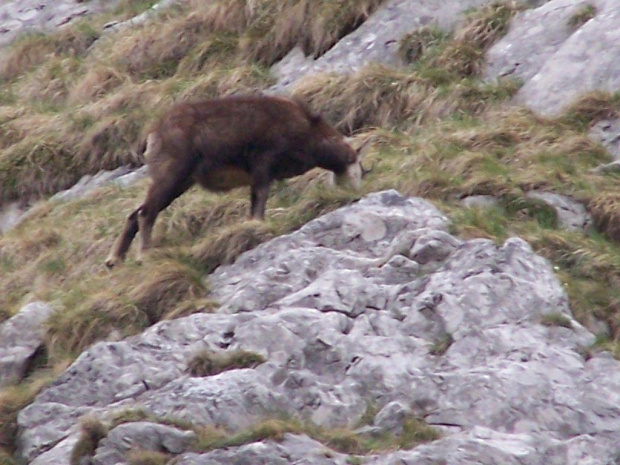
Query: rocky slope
(340, 332)
(374, 307)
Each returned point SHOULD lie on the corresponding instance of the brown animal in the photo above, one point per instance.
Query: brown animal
(229, 142)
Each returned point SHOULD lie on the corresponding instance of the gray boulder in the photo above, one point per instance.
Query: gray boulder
(479, 201)
(122, 177)
(19, 16)
(608, 133)
(11, 214)
(560, 53)
(292, 449)
(572, 215)
(21, 338)
(141, 435)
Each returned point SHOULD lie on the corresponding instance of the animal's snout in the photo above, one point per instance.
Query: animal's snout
(352, 177)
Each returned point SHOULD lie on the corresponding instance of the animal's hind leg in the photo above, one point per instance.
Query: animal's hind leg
(259, 193)
(158, 197)
(120, 247)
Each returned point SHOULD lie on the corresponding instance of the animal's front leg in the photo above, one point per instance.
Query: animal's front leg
(119, 250)
(260, 192)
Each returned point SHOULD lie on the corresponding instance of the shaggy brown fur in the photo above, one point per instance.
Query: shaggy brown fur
(229, 142)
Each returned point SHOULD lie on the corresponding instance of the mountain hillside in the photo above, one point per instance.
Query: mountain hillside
(462, 307)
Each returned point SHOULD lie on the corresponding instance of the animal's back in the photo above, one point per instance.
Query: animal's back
(225, 139)
(234, 123)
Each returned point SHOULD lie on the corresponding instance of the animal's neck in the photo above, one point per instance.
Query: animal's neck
(331, 159)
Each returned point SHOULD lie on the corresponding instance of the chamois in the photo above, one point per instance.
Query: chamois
(229, 142)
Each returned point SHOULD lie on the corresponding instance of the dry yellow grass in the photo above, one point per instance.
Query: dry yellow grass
(228, 244)
(78, 100)
(147, 457)
(92, 431)
(379, 96)
(36, 48)
(268, 30)
(605, 209)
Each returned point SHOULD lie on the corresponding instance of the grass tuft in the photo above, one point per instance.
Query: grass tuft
(605, 210)
(167, 285)
(591, 108)
(441, 346)
(486, 25)
(207, 363)
(556, 319)
(421, 43)
(228, 244)
(465, 54)
(92, 431)
(147, 457)
(584, 14)
(33, 49)
(115, 314)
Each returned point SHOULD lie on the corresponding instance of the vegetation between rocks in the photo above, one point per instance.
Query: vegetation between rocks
(79, 100)
(343, 440)
(207, 363)
(15, 398)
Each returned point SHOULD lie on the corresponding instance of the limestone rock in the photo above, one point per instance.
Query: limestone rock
(607, 132)
(11, 214)
(19, 16)
(560, 53)
(572, 215)
(293, 449)
(21, 337)
(141, 435)
(479, 201)
(376, 40)
(339, 333)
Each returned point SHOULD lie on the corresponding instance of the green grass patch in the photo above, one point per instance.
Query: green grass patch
(584, 14)
(441, 345)
(207, 363)
(556, 319)
(147, 457)
(343, 440)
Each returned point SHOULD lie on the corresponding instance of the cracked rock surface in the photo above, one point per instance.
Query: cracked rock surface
(376, 40)
(340, 330)
(21, 339)
(560, 51)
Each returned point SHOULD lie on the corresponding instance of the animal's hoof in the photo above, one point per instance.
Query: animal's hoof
(111, 262)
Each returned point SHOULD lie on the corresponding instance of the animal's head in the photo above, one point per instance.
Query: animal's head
(354, 171)
(334, 152)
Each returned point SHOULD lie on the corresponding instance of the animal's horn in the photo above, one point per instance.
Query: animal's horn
(366, 171)
(357, 144)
